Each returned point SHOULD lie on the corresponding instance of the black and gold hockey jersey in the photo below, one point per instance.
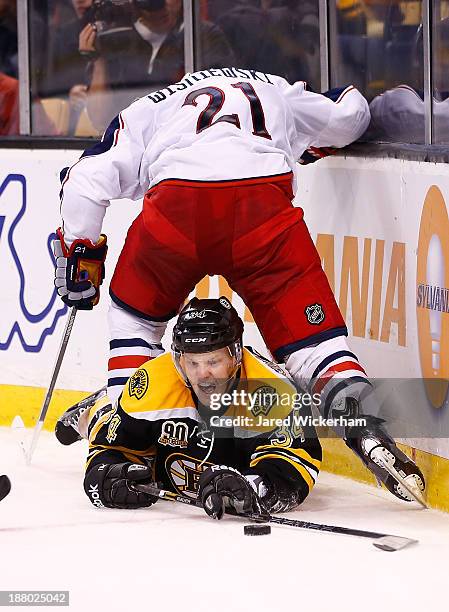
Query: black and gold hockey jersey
(261, 428)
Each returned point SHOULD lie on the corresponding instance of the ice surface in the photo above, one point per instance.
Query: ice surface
(174, 558)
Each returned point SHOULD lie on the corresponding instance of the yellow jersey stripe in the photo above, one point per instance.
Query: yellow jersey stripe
(299, 452)
(179, 412)
(299, 468)
(94, 454)
(101, 421)
(149, 452)
(133, 458)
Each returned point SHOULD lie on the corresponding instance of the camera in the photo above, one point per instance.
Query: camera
(115, 16)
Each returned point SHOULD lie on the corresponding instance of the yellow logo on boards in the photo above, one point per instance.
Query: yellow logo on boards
(432, 296)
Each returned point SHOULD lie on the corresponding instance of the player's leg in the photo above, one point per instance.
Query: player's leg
(154, 275)
(280, 278)
(133, 341)
(323, 368)
(72, 425)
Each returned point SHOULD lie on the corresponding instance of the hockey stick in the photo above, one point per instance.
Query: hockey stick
(45, 405)
(384, 541)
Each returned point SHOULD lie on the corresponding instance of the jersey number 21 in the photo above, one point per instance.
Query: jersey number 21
(216, 101)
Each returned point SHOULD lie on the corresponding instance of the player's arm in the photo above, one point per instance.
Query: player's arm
(287, 463)
(282, 469)
(120, 453)
(334, 119)
(108, 170)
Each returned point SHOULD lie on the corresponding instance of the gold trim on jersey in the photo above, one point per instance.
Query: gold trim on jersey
(133, 458)
(299, 452)
(149, 452)
(94, 454)
(299, 467)
(103, 419)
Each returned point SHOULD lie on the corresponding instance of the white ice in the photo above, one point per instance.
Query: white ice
(174, 558)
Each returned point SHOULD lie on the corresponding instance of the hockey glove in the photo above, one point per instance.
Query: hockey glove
(222, 488)
(111, 485)
(79, 270)
(313, 154)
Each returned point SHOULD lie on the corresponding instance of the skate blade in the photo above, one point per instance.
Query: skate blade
(415, 492)
(392, 543)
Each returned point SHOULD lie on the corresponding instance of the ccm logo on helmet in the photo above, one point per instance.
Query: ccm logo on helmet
(195, 340)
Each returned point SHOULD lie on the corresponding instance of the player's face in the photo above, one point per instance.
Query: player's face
(208, 372)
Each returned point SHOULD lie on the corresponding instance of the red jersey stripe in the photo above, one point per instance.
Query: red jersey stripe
(126, 361)
(339, 367)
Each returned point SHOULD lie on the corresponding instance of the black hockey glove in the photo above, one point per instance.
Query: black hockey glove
(222, 488)
(79, 270)
(110, 485)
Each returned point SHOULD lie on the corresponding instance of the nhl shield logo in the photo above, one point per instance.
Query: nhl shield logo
(314, 314)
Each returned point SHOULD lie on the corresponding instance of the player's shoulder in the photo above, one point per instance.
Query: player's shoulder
(254, 361)
(271, 392)
(155, 387)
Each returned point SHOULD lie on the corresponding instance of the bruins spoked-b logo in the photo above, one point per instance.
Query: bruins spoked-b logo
(184, 472)
(138, 384)
(314, 314)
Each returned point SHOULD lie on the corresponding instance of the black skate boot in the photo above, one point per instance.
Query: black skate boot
(389, 464)
(67, 426)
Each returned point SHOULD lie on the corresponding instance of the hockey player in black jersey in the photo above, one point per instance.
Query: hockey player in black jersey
(212, 420)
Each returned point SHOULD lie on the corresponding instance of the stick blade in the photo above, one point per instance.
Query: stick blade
(392, 543)
(5, 486)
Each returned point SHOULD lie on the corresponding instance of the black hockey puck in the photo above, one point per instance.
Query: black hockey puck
(255, 530)
(5, 486)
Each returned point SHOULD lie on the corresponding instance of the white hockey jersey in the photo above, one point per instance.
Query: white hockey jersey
(213, 125)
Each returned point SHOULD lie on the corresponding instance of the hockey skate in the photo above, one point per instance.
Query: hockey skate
(67, 426)
(378, 451)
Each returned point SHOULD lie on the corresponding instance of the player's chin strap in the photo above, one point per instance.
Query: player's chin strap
(383, 541)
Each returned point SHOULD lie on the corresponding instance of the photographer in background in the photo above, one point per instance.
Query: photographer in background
(67, 69)
(137, 46)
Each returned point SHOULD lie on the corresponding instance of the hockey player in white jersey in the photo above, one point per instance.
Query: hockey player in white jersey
(215, 158)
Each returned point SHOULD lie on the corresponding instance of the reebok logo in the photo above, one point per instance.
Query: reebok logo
(95, 496)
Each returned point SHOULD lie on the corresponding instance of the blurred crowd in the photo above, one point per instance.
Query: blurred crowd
(91, 58)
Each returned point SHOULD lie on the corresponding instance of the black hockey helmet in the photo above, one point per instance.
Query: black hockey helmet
(207, 325)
